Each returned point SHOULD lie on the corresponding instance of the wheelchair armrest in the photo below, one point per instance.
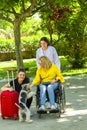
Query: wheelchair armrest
(58, 81)
(59, 89)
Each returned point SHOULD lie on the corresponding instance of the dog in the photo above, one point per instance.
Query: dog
(25, 94)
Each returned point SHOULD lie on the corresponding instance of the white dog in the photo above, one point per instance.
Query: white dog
(25, 94)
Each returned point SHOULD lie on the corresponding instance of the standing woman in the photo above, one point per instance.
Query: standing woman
(47, 50)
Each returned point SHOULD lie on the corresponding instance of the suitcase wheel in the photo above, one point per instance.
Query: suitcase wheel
(3, 117)
(15, 118)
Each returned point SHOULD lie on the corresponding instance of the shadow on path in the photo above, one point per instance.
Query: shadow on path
(75, 117)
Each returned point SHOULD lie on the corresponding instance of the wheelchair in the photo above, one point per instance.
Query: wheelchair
(60, 101)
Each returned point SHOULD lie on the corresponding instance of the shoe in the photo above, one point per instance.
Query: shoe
(56, 105)
(53, 107)
(48, 107)
(42, 108)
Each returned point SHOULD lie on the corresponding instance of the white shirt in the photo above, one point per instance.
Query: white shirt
(51, 53)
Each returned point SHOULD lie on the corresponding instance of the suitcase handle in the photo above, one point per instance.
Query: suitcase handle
(12, 73)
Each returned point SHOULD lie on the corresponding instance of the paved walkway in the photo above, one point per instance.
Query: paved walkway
(75, 117)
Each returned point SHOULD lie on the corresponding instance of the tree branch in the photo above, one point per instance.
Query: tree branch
(23, 6)
(5, 18)
(30, 11)
(11, 12)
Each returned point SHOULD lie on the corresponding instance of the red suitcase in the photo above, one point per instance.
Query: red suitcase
(0, 103)
(8, 107)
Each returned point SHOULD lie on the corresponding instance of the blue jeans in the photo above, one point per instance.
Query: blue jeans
(50, 90)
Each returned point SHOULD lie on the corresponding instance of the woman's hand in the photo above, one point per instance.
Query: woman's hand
(10, 89)
(54, 81)
(7, 87)
(31, 85)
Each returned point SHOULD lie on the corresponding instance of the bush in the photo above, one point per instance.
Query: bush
(29, 47)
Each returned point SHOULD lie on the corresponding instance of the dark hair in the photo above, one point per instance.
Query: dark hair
(21, 70)
(46, 40)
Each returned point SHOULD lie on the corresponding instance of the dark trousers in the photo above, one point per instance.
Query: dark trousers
(29, 101)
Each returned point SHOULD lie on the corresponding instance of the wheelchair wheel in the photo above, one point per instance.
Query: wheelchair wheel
(63, 100)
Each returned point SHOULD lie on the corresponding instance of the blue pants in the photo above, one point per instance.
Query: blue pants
(50, 90)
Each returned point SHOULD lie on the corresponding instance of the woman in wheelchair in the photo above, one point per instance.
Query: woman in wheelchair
(47, 77)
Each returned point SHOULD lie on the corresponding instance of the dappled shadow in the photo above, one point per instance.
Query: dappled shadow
(75, 116)
(76, 102)
(76, 80)
(76, 91)
(76, 105)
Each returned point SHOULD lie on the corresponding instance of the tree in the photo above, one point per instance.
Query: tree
(68, 21)
(57, 18)
(15, 12)
(52, 14)
(77, 41)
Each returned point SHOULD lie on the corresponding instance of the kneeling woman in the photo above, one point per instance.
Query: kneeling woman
(46, 77)
(18, 82)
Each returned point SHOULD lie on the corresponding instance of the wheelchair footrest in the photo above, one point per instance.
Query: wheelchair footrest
(41, 112)
(54, 111)
(48, 111)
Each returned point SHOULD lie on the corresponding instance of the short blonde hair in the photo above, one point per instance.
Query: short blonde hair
(45, 61)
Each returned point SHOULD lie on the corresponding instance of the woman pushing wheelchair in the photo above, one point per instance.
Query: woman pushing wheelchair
(47, 77)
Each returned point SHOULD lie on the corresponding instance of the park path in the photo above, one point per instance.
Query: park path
(75, 117)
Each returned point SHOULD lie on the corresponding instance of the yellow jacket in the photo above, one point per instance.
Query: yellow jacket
(46, 75)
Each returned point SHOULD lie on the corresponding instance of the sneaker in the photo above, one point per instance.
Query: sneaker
(53, 107)
(48, 107)
(42, 108)
(56, 105)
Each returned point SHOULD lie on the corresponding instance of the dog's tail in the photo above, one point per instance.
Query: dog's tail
(17, 105)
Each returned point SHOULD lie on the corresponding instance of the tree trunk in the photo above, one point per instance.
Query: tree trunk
(17, 39)
(51, 40)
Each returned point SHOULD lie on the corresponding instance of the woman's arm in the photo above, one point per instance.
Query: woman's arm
(56, 58)
(37, 79)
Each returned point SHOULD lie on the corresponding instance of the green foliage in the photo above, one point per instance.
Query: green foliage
(68, 21)
(77, 42)
(15, 12)
(6, 45)
(29, 47)
(31, 65)
(4, 24)
(29, 43)
(31, 25)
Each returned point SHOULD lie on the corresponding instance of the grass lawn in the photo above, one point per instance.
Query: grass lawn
(4, 66)
(31, 65)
